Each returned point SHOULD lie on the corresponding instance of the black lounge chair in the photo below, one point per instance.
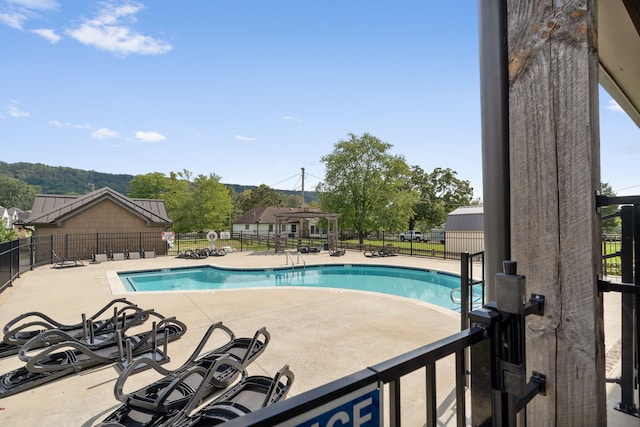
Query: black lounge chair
(369, 253)
(161, 400)
(337, 252)
(250, 394)
(197, 254)
(125, 314)
(217, 252)
(310, 249)
(62, 262)
(386, 252)
(71, 356)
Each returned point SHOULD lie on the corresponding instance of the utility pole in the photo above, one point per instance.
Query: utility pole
(302, 187)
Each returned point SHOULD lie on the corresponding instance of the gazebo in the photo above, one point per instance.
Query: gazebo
(301, 216)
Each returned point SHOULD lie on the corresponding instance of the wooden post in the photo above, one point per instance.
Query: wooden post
(554, 174)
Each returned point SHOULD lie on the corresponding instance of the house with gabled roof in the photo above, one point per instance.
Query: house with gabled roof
(99, 216)
(9, 216)
(288, 222)
(264, 220)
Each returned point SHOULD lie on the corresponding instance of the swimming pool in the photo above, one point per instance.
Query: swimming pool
(424, 285)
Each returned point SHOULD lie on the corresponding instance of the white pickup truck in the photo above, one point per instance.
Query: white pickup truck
(411, 235)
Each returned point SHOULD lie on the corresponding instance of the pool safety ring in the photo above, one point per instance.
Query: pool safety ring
(212, 236)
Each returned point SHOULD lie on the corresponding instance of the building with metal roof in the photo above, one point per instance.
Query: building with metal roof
(464, 230)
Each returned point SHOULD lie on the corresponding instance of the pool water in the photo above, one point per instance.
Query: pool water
(424, 285)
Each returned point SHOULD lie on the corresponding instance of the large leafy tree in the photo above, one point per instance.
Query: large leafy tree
(149, 186)
(439, 193)
(193, 204)
(262, 195)
(210, 203)
(366, 185)
(15, 193)
(177, 199)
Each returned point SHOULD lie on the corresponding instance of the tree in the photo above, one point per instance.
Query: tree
(177, 200)
(149, 186)
(366, 185)
(7, 234)
(15, 193)
(210, 203)
(262, 195)
(439, 193)
(198, 205)
(610, 226)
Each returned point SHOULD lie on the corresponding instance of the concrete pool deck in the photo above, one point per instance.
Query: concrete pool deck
(322, 334)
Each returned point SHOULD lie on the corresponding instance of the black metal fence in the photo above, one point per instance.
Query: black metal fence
(22, 255)
(251, 241)
(9, 262)
(626, 253)
(18, 256)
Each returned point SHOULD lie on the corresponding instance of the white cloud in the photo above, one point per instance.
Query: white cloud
(104, 133)
(614, 106)
(13, 19)
(35, 4)
(109, 31)
(149, 136)
(244, 138)
(58, 124)
(14, 13)
(48, 35)
(17, 113)
(291, 119)
(66, 125)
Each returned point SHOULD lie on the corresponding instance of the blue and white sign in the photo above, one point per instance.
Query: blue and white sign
(361, 408)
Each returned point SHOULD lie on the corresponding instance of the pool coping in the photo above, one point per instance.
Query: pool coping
(117, 288)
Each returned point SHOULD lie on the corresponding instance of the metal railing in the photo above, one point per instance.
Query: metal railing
(370, 381)
(9, 262)
(493, 401)
(628, 252)
(293, 263)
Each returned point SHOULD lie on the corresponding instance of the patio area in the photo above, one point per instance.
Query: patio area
(322, 334)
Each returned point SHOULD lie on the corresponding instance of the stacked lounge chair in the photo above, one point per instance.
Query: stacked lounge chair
(71, 354)
(201, 253)
(201, 376)
(382, 252)
(250, 394)
(26, 326)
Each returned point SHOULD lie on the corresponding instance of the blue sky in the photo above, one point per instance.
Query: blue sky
(251, 90)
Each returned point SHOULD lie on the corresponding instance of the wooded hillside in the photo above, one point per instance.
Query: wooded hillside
(65, 180)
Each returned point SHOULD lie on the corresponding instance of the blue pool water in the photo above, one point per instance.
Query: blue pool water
(424, 285)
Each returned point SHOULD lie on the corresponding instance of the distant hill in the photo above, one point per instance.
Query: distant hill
(64, 180)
